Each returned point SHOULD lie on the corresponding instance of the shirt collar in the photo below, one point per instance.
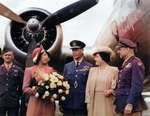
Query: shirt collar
(128, 58)
(79, 62)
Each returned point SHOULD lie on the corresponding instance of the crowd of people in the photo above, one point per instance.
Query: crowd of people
(95, 89)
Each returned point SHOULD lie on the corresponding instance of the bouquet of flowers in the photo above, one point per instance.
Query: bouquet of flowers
(52, 86)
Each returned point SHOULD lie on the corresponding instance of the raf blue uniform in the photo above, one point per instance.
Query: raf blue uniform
(74, 104)
(10, 86)
(77, 79)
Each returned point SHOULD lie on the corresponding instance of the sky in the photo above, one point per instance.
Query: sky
(85, 27)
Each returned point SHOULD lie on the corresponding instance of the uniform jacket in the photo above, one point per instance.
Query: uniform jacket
(130, 87)
(77, 78)
(10, 86)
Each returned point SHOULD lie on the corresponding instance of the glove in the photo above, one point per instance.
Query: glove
(88, 106)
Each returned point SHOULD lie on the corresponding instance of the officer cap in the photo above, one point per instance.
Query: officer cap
(103, 49)
(77, 44)
(125, 43)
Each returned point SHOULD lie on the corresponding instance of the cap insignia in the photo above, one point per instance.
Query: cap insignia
(74, 43)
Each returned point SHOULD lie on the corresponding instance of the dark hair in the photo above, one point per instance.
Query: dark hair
(39, 57)
(105, 56)
(6, 50)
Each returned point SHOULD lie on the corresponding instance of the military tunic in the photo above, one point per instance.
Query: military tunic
(130, 79)
(77, 80)
(10, 86)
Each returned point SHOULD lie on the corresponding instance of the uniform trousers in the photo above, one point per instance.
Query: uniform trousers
(10, 111)
(132, 114)
(72, 112)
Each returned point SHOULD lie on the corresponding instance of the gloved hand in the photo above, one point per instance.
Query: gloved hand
(88, 106)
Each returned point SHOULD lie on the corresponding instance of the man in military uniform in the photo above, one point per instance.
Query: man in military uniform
(77, 74)
(11, 77)
(129, 101)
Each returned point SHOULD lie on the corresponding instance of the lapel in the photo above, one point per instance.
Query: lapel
(73, 65)
(93, 77)
(128, 61)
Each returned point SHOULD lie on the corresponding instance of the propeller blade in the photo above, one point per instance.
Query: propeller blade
(69, 12)
(32, 46)
(4, 11)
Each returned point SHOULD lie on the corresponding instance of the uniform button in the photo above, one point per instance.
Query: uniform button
(76, 70)
(121, 71)
(7, 74)
(119, 80)
(119, 75)
(127, 93)
(6, 89)
(6, 83)
(75, 75)
(7, 79)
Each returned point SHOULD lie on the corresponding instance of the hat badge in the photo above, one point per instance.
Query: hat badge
(74, 44)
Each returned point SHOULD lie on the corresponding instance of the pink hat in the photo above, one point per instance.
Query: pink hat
(36, 53)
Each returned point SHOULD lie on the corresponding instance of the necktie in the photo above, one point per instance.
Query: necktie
(77, 64)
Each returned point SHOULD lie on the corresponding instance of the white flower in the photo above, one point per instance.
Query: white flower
(42, 84)
(33, 87)
(63, 98)
(37, 95)
(51, 76)
(54, 96)
(66, 92)
(47, 87)
(46, 77)
(52, 99)
(60, 91)
(39, 83)
(61, 77)
(65, 83)
(54, 79)
(44, 97)
(67, 86)
(59, 83)
(52, 85)
(46, 93)
(54, 73)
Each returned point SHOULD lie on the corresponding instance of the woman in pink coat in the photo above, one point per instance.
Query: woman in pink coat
(38, 107)
(101, 84)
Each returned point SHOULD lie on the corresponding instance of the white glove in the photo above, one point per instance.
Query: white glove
(88, 106)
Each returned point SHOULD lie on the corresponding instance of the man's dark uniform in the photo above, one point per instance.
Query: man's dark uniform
(77, 76)
(130, 79)
(10, 87)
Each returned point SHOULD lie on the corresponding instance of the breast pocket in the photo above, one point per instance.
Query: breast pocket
(70, 77)
(14, 74)
(83, 75)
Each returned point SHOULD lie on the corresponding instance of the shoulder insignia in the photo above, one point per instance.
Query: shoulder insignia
(139, 63)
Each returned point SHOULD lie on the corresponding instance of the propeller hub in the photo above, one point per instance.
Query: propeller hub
(33, 25)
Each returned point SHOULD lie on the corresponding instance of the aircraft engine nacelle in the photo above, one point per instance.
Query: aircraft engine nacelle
(17, 38)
